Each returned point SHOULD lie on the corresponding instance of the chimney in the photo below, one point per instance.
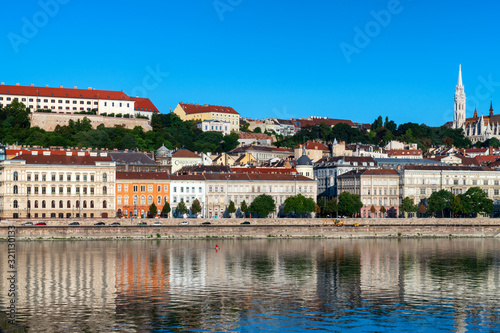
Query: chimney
(2, 84)
(46, 86)
(60, 86)
(89, 88)
(491, 150)
(74, 87)
(32, 85)
(17, 84)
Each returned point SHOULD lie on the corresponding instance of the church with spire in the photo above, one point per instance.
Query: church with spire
(475, 128)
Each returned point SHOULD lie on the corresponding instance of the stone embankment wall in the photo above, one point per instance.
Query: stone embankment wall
(49, 121)
(262, 228)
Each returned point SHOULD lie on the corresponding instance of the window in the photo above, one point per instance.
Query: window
(135, 188)
(104, 190)
(29, 189)
(68, 190)
(135, 200)
(175, 189)
(150, 188)
(119, 199)
(158, 188)
(118, 188)
(165, 188)
(158, 200)
(61, 190)
(15, 204)
(68, 177)
(91, 191)
(126, 188)
(91, 203)
(150, 199)
(28, 177)
(143, 199)
(104, 204)
(474, 182)
(485, 182)
(125, 200)
(16, 189)
(91, 178)
(16, 176)
(61, 177)
(43, 204)
(61, 204)
(68, 204)
(496, 192)
(422, 191)
(44, 177)
(199, 189)
(187, 189)
(53, 190)
(44, 190)
(104, 177)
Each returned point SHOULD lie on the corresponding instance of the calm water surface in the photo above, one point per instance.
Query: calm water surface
(273, 285)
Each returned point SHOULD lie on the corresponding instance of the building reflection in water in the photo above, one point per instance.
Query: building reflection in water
(140, 285)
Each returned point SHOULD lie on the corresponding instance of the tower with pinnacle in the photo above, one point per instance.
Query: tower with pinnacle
(459, 116)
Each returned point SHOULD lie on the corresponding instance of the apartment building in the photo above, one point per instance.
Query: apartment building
(199, 113)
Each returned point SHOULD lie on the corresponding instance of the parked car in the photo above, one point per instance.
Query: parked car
(143, 223)
(246, 222)
(41, 223)
(28, 223)
(184, 223)
(74, 223)
(100, 223)
(115, 224)
(206, 223)
(156, 223)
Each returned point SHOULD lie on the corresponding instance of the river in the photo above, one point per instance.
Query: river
(295, 285)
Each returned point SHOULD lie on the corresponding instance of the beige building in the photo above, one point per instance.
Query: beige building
(239, 187)
(184, 157)
(419, 182)
(55, 186)
(314, 150)
(199, 113)
(376, 187)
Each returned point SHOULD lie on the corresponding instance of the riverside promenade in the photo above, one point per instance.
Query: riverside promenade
(258, 228)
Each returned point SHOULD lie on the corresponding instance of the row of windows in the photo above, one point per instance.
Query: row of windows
(43, 190)
(53, 204)
(434, 181)
(424, 191)
(380, 191)
(260, 189)
(182, 188)
(53, 177)
(135, 188)
(45, 100)
(135, 199)
(380, 202)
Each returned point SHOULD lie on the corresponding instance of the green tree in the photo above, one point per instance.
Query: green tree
(349, 204)
(165, 210)
(422, 210)
(383, 210)
(196, 207)
(456, 205)
(263, 205)
(244, 207)
(229, 142)
(476, 201)
(439, 201)
(257, 130)
(231, 209)
(299, 204)
(407, 206)
(181, 208)
(153, 210)
(373, 210)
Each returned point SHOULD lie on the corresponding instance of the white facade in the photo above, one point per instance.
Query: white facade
(215, 126)
(459, 116)
(187, 188)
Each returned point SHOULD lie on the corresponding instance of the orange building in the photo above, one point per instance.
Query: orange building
(136, 191)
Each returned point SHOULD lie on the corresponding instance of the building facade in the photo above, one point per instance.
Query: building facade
(215, 126)
(201, 113)
(136, 191)
(187, 188)
(55, 186)
(376, 188)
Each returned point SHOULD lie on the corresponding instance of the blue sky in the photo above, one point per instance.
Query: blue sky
(264, 58)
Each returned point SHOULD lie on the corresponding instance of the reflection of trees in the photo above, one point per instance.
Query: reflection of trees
(262, 266)
(455, 265)
(298, 266)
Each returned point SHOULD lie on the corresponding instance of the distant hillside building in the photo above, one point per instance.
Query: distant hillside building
(314, 150)
(71, 100)
(199, 113)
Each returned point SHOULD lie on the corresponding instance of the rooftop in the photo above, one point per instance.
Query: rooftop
(197, 108)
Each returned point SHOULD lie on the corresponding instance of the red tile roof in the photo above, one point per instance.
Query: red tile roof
(313, 146)
(142, 175)
(257, 136)
(184, 153)
(63, 92)
(196, 108)
(62, 160)
(483, 159)
(265, 170)
(317, 121)
(144, 104)
(389, 172)
(403, 152)
(28, 151)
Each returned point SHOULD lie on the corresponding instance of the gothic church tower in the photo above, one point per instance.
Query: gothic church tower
(459, 117)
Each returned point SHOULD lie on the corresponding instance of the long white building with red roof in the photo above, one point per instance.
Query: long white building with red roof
(199, 113)
(72, 100)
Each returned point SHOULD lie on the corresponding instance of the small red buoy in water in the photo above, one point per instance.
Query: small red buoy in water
(216, 246)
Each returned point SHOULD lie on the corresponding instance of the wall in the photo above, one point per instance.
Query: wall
(49, 121)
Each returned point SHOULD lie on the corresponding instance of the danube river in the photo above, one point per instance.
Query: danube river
(296, 285)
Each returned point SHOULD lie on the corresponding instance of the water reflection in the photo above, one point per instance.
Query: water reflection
(255, 285)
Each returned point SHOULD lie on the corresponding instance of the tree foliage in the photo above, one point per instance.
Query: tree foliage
(299, 204)
(349, 204)
(407, 205)
(181, 208)
(195, 207)
(263, 205)
(231, 209)
(165, 210)
(476, 201)
(153, 210)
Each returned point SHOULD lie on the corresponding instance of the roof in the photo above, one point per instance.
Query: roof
(244, 149)
(197, 108)
(400, 161)
(264, 170)
(142, 175)
(317, 121)
(203, 168)
(63, 92)
(312, 145)
(446, 168)
(487, 158)
(132, 158)
(348, 159)
(29, 151)
(144, 105)
(257, 136)
(371, 172)
(304, 160)
(62, 160)
(403, 152)
(184, 153)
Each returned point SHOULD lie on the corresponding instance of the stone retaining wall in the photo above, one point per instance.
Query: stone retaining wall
(49, 121)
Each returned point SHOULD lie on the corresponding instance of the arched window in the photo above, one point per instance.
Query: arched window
(143, 199)
(125, 200)
(15, 204)
(29, 203)
(36, 203)
(91, 203)
(43, 204)
(53, 204)
(150, 199)
(104, 177)
(119, 199)
(104, 190)
(77, 203)
(16, 189)
(68, 204)
(104, 204)
(16, 176)
(61, 204)
(84, 203)
(158, 200)
(136, 199)
(165, 200)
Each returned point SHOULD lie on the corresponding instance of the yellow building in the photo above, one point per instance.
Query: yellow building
(199, 113)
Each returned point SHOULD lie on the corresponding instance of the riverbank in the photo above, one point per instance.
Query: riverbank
(310, 228)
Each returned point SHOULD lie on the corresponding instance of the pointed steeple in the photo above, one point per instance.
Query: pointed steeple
(491, 107)
(475, 113)
(459, 76)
